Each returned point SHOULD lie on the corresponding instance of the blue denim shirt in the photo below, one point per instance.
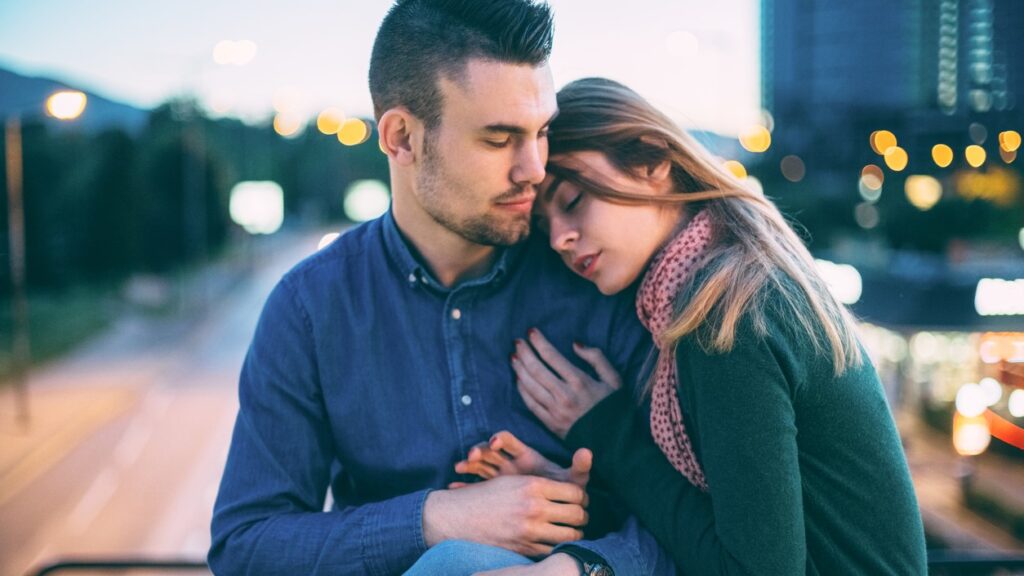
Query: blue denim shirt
(368, 376)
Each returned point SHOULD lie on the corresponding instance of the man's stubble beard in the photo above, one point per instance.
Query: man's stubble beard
(484, 229)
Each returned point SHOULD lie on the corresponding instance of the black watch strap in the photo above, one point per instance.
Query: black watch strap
(591, 563)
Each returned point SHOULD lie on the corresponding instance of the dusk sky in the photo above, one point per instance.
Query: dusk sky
(696, 60)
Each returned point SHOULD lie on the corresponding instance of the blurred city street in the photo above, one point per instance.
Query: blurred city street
(128, 435)
(937, 470)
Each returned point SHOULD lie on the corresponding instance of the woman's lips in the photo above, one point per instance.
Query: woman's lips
(586, 264)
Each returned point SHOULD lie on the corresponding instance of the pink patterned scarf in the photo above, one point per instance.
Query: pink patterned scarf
(655, 305)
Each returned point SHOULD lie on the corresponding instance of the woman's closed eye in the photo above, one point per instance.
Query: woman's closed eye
(574, 202)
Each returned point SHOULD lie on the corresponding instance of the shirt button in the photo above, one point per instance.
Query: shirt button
(456, 314)
(466, 400)
(412, 277)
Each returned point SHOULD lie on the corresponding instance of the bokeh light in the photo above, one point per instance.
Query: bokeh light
(866, 215)
(942, 155)
(66, 104)
(867, 192)
(793, 168)
(756, 139)
(923, 192)
(1007, 157)
(843, 280)
(1016, 403)
(257, 206)
(896, 158)
(977, 132)
(925, 346)
(975, 155)
(995, 184)
(287, 125)
(992, 391)
(366, 200)
(870, 183)
(736, 169)
(873, 176)
(353, 132)
(1009, 140)
(996, 347)
(999, 297)
(970, 400)
(882, 140)
(971, 435)
(330, 120)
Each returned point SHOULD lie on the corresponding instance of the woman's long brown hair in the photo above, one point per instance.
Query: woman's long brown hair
(755, 245)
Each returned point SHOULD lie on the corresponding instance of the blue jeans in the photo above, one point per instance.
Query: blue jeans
(462, 558)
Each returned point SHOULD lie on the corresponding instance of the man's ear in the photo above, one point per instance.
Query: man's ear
(400, 135)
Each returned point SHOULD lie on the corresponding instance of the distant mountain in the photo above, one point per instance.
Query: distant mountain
(27, 96)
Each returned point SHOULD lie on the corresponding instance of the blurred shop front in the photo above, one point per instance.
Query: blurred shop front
(946, 340)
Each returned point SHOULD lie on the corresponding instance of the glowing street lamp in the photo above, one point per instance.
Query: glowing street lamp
(257, 206)
(66, 104)
(63, 105)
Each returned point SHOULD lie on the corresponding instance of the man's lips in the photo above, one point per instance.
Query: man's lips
(519, 203)
(586, 264)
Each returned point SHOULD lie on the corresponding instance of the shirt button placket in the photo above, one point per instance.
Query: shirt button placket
(466, 398)
(463, 413)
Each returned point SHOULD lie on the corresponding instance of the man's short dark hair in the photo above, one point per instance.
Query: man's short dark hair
(421, 39)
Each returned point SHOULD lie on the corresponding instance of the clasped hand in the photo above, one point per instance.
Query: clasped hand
(553, 388)
(558, 393)
(507, 457)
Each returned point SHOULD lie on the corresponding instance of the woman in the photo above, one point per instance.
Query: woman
(767, 447)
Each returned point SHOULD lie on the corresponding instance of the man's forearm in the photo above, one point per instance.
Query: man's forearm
(380, 538)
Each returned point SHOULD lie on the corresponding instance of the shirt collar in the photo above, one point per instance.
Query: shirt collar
(416, 274)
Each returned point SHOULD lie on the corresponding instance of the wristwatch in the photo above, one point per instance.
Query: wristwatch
(590, 563)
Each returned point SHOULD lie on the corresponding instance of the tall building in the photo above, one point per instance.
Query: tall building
(959, 57)
(947, 72)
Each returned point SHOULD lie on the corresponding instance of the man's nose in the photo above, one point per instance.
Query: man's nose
(529, 167)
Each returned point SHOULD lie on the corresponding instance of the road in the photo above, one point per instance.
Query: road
(129, 434)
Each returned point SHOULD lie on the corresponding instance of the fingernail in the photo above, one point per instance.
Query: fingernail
(513, 357)
(577, 344)
(532, 331)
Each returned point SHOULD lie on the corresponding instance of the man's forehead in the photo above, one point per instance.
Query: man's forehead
(499, 93)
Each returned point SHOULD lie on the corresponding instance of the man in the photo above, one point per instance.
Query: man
(380, 361)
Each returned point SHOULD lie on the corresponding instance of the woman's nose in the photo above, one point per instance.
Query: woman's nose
(563, 236)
